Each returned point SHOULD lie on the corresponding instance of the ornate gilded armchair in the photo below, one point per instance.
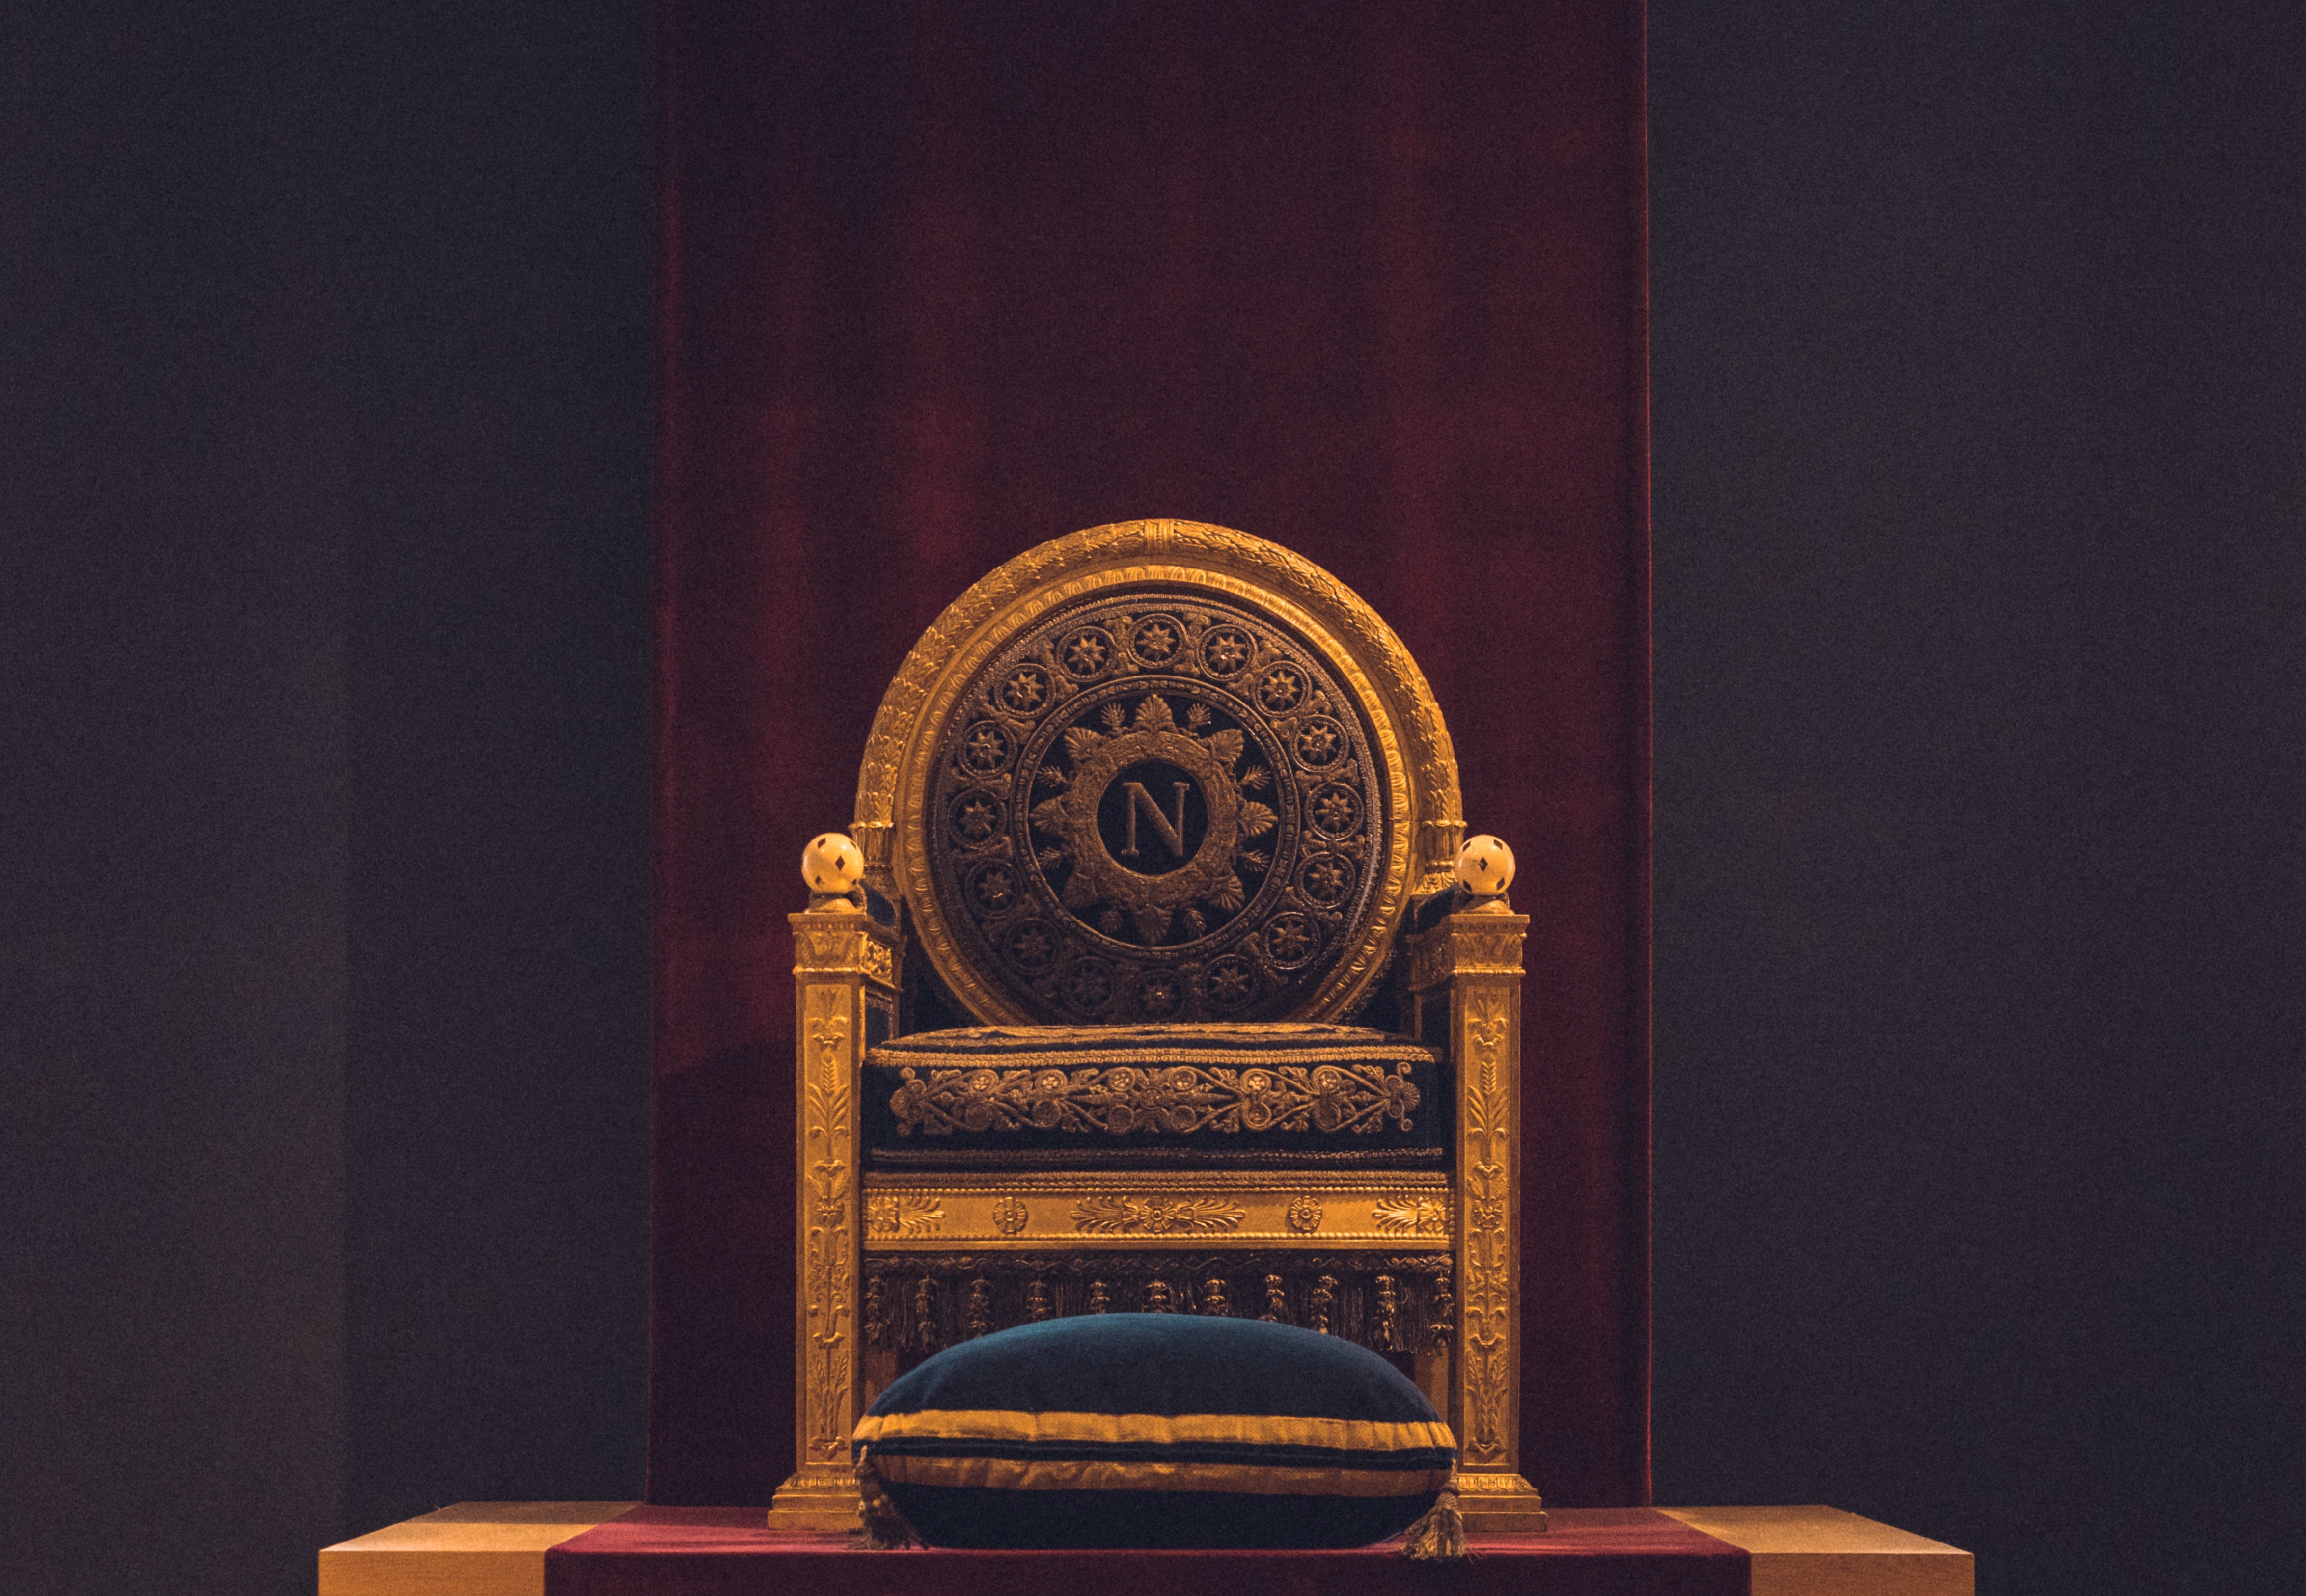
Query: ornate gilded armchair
(1165, 989)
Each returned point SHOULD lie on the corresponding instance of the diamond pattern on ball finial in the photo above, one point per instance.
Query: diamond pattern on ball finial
(1485, 865)
(831, 866)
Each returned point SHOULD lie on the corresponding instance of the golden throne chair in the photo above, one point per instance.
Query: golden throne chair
(1165, 989)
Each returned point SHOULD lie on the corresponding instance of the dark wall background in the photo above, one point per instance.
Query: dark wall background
(1980, 417)
(1980, 359)
(323, 859)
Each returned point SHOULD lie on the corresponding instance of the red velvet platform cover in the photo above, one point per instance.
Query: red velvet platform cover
(940, 281)
(726, 1551)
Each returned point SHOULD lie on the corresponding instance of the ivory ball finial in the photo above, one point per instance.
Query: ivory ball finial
(832, 864)
(1485, 866)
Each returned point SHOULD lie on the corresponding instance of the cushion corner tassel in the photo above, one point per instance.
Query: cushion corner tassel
(885, 1529)
(1438, 1536)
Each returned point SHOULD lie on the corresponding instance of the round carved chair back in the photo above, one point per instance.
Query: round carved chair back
(1157, 772)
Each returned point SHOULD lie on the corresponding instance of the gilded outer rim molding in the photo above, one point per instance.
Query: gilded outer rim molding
(1411, 740)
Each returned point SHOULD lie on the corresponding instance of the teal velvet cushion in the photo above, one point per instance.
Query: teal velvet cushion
(1156, 1430)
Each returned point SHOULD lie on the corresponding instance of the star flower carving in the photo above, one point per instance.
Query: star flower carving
(1085, 652)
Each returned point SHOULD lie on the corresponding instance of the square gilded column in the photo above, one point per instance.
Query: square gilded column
(1465, 984)
(845, 974)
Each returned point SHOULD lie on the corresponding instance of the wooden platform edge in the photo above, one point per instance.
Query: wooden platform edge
(473, 1549)
(1824, 1551)
(497, 1548)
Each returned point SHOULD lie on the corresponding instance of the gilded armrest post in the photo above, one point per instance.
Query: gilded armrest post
(1464, 989)
(845, 974)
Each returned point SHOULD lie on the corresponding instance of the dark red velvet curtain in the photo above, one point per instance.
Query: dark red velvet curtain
(943, 280)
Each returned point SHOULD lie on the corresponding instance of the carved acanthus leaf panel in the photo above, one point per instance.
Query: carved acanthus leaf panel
(828, 1179)
(1487, 1303)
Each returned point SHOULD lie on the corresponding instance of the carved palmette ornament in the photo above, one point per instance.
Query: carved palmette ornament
(902, 1213)
(1119, 1214)
(1410, 1213)
(1155, 806)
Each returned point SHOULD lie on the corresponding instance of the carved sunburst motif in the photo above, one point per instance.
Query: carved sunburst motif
(1130, 825)
(1149, 734)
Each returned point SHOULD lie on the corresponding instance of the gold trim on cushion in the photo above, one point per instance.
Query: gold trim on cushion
(1156, 1429)
(1010, 1473)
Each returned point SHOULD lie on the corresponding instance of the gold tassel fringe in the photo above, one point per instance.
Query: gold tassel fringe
(885, 1528)
(1439, 1537)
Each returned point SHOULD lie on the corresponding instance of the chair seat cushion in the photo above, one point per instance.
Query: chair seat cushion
(1156, 1430)
(1106, 1096)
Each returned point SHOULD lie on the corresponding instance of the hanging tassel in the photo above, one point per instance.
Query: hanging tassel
(1439, 1537)
(885, 1529)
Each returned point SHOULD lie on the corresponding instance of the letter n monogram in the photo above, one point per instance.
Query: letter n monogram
(1171, 832)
